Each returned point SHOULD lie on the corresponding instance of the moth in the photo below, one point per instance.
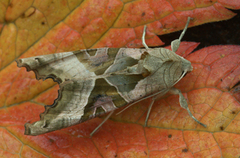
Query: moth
(97, 81)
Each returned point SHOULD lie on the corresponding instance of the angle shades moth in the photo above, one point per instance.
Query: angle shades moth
(97, 81)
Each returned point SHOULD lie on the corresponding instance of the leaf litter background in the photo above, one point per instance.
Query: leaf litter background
(31, 28)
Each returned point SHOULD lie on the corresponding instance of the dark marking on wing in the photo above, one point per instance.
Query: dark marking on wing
(97, 64)
(102, 89)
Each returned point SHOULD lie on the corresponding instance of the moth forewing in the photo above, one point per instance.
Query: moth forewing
(96, 81)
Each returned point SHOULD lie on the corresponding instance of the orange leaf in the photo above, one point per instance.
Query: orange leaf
(30, 28)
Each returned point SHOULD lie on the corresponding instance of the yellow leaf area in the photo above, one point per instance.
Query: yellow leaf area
(30, 28)
(41, 27)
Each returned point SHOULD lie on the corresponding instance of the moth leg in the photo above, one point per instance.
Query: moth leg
(175, 44)
(183, 104)
(156, 95)
(149, 109)
(101, 123)
(133, 104)
(143, 37)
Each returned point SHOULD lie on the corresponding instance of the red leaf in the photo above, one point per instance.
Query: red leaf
(30, 28)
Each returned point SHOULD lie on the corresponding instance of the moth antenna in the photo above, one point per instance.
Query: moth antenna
(185, 29)
(175, 44)
(143, 37)
(101, 123)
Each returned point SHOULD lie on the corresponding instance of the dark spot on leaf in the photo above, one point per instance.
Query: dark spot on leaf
(221, 80)
(116, 155)
(23, 15)
(221, 128)
(185, 150)
(233, 112)
(143, 13)
(169, 136)
(43, 23)
(192, 19)
(128, 25)
(51, 140)
(175, 27)
(210, 1)
(145, 152)
(10, 5)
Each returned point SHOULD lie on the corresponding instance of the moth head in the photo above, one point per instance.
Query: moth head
(186, 65)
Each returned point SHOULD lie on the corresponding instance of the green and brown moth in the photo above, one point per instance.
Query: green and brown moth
(97, 81)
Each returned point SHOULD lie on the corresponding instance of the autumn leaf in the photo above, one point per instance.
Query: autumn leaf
(30, 28)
